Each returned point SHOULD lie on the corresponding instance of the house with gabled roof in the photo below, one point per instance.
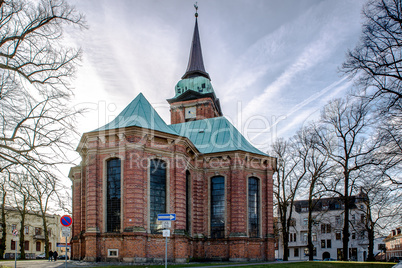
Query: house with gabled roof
(199, 167)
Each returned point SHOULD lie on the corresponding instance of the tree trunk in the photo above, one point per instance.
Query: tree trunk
(22, 236)
(370, 235)
(345, 231)
(310, 245)
(46, 235)
(4, 226)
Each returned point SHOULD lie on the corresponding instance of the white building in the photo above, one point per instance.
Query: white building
(327, 230)
(34, 238)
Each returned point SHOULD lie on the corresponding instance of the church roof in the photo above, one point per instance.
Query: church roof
(211, 135)
(214, 135)
(195, 65)
(139, 113)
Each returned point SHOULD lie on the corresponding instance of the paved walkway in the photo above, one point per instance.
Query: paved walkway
(76, 264)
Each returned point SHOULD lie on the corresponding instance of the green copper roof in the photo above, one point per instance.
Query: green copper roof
(211, 135)
(215, 135)
(198, 84)
(139, 113)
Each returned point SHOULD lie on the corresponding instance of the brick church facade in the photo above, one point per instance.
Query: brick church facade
(199, 167)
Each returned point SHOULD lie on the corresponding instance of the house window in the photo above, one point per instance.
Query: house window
(50, 246)
(329, 243)
(157, 192)
(292, 222)
(325, 228)
(188, 201)
(304, 209)
(294, 237)
(38, 246)
(338, 235)
(113, 195)
(12, 245)
(314, 237)
(49, 232)
(362, 218)
(338, 220)
(323, 243)
(305, 221)
(13, 227)
(26, 229)
(113, 253)
(253, 208)
(303, 236)
(353, 235)
(217, 207)
(296, 252)
(38, 231)
(26, 245)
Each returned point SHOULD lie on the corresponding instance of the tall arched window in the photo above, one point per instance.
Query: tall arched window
(253, 208)
(157, 192)
(218, 207)
(113, 198)
(188, 201)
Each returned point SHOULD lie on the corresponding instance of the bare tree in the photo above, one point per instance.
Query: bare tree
(317, 166)
(20, 191)
(36, 121)
(3, 191)
(287, 179)
(377, 59)
(382, 206)
(344, 137)
(376, 65)
(43, 193)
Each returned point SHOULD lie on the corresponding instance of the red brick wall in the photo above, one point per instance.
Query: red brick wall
(135, 148)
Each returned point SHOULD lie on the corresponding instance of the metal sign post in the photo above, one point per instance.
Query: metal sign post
(66, 221)
(166, 224)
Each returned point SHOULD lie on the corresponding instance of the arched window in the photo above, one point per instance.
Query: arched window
(188, 201)
(218, 207)
(253, 208)
(113, 198)
(157, 192)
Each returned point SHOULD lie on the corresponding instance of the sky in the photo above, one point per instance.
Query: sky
(273, 64)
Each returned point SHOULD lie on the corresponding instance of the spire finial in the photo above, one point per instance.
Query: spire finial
(196, 9)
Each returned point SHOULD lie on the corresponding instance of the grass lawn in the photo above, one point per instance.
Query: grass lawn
(315, 264)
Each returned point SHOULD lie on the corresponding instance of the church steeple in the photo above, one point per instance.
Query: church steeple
(195, 65)
(194, 95)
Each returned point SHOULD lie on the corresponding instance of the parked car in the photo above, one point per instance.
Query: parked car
(395, 259)
(329, 259)
(62, 257)
(41, 256)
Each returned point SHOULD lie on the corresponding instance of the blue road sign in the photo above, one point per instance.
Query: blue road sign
(167, 217)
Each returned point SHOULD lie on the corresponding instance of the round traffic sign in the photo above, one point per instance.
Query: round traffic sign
(15, 232)
(66, 220)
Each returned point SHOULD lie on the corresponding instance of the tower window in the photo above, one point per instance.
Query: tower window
(113, 199)
(188, 201)
(217, 207)
(157, 192)
(253, 208)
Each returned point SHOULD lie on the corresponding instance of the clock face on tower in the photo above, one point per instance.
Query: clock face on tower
(190, 112)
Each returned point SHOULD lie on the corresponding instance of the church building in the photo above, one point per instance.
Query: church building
(199, 167)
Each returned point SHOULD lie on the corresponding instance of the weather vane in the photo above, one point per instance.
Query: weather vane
(196, 9)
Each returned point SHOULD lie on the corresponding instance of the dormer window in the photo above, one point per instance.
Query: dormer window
(179, 90)
(199, 89)
(203, 85)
